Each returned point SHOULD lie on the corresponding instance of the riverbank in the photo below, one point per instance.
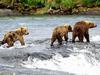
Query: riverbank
(77, 11)
(45, 11)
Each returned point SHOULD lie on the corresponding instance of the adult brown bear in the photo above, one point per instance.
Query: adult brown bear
(13, 36)
(60, 32)
(81, 30)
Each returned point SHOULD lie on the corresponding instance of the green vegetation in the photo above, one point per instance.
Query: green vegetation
(90, 3)
(97, 3)
(61, 3)
(68, 3)
(33, 2)
(32, 6)
(54, 3)
(58, 3)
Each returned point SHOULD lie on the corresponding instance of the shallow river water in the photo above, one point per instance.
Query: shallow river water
(38, 58)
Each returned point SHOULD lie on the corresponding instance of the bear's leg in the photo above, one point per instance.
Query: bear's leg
(80, 37)
(21, 39)
(74, 37)
(53, 40)
(10, 44)
(66, 37)
(87, 37)
(59, 38)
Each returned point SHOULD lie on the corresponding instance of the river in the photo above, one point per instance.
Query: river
(38, 58)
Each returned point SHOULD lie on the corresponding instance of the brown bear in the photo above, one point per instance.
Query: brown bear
(81, 30)
(60, 32)
(14, 36)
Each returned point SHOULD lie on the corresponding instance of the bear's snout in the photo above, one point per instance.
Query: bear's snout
(27, 33)
(95, 25)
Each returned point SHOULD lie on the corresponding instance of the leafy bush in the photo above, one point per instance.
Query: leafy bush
(68, 3)
(97, 3)
(58, 3)
(64, 3)
(52, 4)
(88, 2)
(33, 2)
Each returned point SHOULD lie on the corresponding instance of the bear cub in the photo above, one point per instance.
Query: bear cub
(12, 36)
(59, 33)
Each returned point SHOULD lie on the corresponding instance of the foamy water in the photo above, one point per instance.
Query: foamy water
(17, 46)
(78, 58)
(95, 38)
(73, 64)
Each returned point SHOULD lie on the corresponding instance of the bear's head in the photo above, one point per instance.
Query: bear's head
(22, 31)
(68, 27)
(90, 24)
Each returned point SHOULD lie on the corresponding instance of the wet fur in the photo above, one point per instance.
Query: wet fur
(81, 30)
(11, 37)
(60, 32)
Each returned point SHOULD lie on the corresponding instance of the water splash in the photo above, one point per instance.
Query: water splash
(74, 64)
(16, 46)
(95, 38)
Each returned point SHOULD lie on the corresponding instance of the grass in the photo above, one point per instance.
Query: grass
(55, 3)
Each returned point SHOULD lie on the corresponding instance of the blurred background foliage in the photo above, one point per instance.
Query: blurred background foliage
(54, 3)
(58, 3)
(63, 6)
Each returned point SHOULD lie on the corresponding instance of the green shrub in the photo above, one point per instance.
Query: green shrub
(32, 2)
(53, 4)
(97, 3)
(88, 2)
(58, 3)
(68, 3)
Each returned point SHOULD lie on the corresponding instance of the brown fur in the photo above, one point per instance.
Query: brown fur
(14, 36)
(81, 29)
(60, 32)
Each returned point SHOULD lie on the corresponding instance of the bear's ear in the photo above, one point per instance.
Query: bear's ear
(69, 28)
(21, 28)
(87, 22)
(22, 32)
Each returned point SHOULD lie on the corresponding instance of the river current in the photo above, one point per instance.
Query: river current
(38, 58)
